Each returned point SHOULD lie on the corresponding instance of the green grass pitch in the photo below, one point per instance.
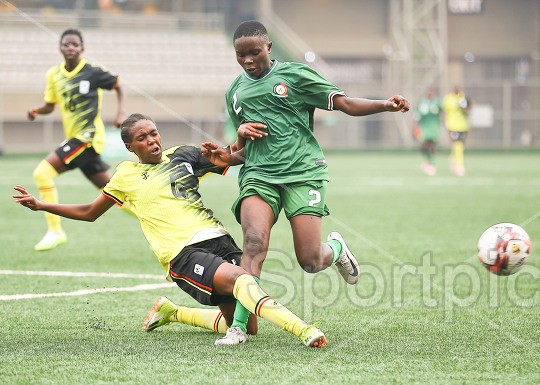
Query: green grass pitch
(424, 311)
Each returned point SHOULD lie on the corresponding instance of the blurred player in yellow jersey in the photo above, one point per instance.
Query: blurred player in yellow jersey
(456, 107)
(191, 244)
(76, 86)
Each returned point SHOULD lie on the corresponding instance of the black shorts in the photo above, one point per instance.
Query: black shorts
(193, 269)
(77, 154)
(458, 135)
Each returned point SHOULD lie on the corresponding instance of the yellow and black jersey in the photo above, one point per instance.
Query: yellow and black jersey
(79, 94)
(165, 198)
(455, 106)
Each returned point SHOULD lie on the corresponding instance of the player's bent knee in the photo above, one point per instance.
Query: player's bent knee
(44, 174)
(254, 242)
(311, 262)
(226, 276)
(312, 267)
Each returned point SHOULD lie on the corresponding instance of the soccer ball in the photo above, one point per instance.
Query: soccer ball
(504, 248)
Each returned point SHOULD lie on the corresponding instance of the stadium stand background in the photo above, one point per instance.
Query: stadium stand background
(176, 59)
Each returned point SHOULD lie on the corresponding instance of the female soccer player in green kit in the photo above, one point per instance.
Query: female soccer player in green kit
(285, 168)
(191, 244)
(428, 116)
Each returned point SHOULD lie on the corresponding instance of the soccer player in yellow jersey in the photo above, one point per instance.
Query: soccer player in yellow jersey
(76, 86)
(456, 107)
(191, 244)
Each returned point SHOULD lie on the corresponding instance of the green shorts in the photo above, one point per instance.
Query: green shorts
(294, 198)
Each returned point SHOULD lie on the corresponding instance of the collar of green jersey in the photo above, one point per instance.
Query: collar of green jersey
(274, 65)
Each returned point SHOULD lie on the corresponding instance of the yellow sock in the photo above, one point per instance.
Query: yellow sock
(453, 153)
(204, 318)
(43, 175)
(457, 153)
(249, 293)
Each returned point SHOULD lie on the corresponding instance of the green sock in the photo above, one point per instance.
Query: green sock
(241, 314)
(336, 247)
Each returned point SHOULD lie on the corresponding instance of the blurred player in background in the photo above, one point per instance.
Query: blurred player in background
(76, 86)
(191, 244)
(428, 119)
(286, 168)
(456, 108)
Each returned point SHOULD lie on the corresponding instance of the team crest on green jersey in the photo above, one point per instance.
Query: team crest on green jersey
(280, 89)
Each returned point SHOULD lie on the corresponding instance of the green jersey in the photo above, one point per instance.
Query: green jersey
(428, 114)
(284, 100)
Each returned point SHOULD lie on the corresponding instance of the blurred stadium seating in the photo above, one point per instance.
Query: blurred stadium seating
(176, 60)
(183, 63)
(163, 61)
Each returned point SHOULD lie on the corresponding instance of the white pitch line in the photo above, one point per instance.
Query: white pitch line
(85, 292)
(79, 274)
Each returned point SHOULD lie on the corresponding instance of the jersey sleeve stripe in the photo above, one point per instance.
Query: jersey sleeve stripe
(331, 99)
(116, 84)
(117, 201)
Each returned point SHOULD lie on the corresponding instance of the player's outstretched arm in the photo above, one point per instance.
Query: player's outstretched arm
(220, 156)
(47, 108)
(85, 212)
(120, 110)
(361, 106)
(397, 103)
